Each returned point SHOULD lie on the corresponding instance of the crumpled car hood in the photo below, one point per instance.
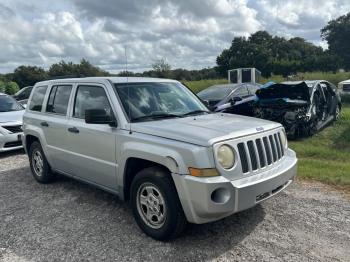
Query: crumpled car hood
(12, 116)
(286, 92)
(204, 130)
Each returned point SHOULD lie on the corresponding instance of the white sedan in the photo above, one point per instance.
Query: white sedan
(11, 118)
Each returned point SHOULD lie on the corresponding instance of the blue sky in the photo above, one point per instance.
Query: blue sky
(187, 33)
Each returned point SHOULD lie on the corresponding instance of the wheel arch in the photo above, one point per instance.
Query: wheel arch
(133, 165)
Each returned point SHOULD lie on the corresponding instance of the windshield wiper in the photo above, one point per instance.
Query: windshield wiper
(195, 112)
(154, 116)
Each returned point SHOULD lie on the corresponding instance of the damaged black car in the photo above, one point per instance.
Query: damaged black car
(302, 107)
(231, 98)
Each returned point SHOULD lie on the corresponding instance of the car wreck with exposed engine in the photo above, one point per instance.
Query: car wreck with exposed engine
(302, 107)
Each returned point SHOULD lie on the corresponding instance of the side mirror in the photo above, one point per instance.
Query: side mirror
(99, 116)
(235, 99)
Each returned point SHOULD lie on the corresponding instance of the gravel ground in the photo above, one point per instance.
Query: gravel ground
(71, 221)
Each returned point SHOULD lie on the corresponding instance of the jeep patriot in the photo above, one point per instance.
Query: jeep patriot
(153, 143)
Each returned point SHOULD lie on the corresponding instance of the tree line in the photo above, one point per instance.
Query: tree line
(270, 54)
(281, 56)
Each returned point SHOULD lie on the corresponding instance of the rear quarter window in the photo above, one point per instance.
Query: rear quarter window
(36, 102)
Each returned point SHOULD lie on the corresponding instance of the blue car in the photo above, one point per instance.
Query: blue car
(231, 98)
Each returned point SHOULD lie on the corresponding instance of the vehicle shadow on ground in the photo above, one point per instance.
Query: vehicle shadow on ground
(11, 153)
(83, 222)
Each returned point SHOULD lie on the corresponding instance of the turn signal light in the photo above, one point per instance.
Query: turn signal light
(206, 172)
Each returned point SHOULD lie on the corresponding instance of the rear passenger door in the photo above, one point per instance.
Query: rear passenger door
(241, 107)
(92, 147)
(54, 125)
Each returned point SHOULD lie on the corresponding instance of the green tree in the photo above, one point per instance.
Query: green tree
(11, 88)
(83, 69)
(275, 55)
(161, 68)
(28, 75)
(337, 35)
(2, 86)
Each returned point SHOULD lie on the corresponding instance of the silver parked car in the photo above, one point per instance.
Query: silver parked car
(154, 143)
(11, 114)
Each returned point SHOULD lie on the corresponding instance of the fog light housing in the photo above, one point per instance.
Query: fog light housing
(220, 195)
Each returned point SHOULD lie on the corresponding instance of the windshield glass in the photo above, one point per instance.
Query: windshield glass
(216, 93)
(150, 101)
(8, 103)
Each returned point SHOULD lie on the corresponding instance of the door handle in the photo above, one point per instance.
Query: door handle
(73, 130)
(44, 124)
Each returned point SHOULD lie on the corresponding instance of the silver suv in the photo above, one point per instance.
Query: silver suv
(153, 143)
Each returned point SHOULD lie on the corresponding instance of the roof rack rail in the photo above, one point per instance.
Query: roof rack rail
(67, 76)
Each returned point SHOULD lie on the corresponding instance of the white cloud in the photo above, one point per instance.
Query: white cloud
(189, 33)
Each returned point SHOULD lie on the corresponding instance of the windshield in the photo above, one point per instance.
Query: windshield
(216, 93)
(150, 101)
(7, 104)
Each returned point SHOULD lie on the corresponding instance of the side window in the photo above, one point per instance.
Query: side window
(36, 103)
(27, 92)
(58, 99)
(241, 92)
(90, 97)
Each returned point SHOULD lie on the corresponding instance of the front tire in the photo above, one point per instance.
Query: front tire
(38, 164)
(337, 113)
(156, 205)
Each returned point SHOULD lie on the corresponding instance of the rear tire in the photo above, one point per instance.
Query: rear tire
(156, 205)
(38, 164)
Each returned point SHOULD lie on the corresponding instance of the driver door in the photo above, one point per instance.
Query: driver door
(240, 107)
(92, 147)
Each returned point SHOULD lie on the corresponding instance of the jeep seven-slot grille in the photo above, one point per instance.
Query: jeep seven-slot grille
(14, 129)
(261, 152)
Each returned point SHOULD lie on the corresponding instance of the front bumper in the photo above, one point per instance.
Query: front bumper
(10, 142)
(209, 199)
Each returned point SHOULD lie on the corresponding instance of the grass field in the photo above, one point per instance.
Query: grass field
(325, 157)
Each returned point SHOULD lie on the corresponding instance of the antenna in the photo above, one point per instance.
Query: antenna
(126, 65)
(127, 81)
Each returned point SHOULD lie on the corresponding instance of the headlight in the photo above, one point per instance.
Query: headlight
(284, 139)
(226, 156)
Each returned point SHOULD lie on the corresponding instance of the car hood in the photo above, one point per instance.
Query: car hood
(204, 130)
(290, 91)
(12, 116)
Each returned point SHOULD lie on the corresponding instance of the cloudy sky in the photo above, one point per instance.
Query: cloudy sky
(188, 33)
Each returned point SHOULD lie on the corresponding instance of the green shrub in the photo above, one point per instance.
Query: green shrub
(2, 87)
(11, 88)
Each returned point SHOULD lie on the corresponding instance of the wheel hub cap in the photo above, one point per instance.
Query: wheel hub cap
(38, 163)
(151, 205)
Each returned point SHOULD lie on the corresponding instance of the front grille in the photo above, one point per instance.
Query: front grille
(260, 152)
(13, 144)
(14, 129)
(346, 87)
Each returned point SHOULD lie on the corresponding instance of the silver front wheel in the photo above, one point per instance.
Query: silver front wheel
(38, 163)
(151, 205)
